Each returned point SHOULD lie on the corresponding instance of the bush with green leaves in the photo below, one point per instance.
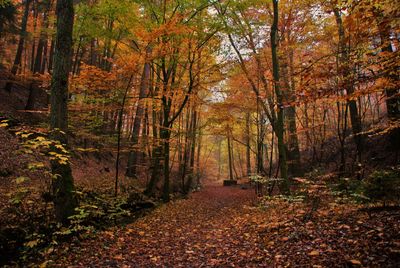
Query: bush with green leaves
(383, 186)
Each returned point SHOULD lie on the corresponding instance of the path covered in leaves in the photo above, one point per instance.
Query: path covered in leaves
(221, 227)
(205, 230)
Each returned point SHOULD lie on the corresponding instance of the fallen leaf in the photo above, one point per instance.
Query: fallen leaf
(314, 253)
(355, 262)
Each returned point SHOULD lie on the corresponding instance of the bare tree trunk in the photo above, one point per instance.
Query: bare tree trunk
(199, 143)
(157, 148)
(144, 85)
(279, 124)
(294, 165)
(63, 184)
(119, 130)
(219, 158)
(186, 152)
(229, 156)
(347, 85)
(248, 163)
(51, 56)
(35, 9)
(260, 139)
(20, 48)
(193, 129)
(165, 134)
(42, 41)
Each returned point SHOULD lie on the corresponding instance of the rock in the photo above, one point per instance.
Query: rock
(230, 182)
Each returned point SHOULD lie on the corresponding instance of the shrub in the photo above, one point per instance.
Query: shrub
(383, 186)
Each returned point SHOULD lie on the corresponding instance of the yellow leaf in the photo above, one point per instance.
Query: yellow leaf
(44, 264)
(32, 243)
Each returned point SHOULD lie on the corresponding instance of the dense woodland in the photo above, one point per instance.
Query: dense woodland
(191, 133)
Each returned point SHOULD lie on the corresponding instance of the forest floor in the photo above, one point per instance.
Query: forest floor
(223, 227)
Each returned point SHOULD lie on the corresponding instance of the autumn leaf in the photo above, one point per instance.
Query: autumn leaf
(355, 262)
(314, 253)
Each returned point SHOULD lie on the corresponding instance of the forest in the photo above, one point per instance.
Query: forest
(199, 133)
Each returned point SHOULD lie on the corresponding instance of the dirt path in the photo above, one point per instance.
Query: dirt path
(220, 227)
(205, 230)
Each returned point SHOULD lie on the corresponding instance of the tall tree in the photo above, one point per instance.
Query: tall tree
(279, 124)
(42, 45)
(273, 108)
(247, 136)
(346, 83)
(143, 91)
(22, 36)
(391, 73)
(63, 183)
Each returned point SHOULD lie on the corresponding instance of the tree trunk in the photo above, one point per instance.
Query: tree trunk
(392, 94)
(186, 152)
(33, 47)
(230, 156)
(63, 183)
(155, 170)
(279, 124)
(30, 104)
(248, 163)
(347, 85)
(93, 52)
(20, 48)
(119, 130)
(219, 141)
(199, 142)
(157, 148)
(294, 164)
(40, 56)
(260, 139)
(189, 183)
(45, 59)
(165, 136)
(144, 86)
(51, 56)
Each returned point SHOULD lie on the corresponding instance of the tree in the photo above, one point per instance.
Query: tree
(7, 16)
(385, 31)
(22, 35)
(63, 183)
(273, 109)
(41, 52)
(346, 83)
(279, 124)
(143, 91)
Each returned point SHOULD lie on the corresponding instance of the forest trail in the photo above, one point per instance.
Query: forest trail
(209, 228)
